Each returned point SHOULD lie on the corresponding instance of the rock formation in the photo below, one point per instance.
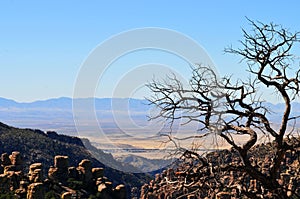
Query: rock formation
(16, 160)
(36, 191)
(63, 181)
(191, 179)
(59, 172)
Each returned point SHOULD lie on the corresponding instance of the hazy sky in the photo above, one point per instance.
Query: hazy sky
(44, 43)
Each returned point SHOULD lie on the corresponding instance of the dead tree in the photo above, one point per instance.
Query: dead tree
(231, 109)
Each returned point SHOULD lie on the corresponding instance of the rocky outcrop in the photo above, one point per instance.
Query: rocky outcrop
(16, 160)
(35, 173)
(66, 182)
(120, 191)
(85, 172)
(59, 172)
(97, 173)
(192, 179)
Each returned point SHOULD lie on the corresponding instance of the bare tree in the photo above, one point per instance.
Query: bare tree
(232, 109)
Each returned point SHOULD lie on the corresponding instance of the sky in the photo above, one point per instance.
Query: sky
(44, 44)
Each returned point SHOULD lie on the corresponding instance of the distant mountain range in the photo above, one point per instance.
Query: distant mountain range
(65, 103)
(121, 119)
(56, 114)
(50, 114)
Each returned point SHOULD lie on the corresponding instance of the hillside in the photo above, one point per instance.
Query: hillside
(144, 164)
(211, 177)
(37, 146)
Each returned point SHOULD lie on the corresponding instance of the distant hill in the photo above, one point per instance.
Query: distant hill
(144, 164)
(37, 146)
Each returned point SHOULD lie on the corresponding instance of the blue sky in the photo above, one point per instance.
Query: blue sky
(44, 43)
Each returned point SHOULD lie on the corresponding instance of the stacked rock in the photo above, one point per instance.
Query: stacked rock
(97, 173)
(16, 160)
(62, 181)
(59, 172)
(35, 172)
(85, 169)
(35, 191)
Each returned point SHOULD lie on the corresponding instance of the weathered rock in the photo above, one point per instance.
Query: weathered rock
(102, 187)
(35, 191)
(67, 195)
(16, 160)
(85, 169)
(14, 179)
(35, 172)
(61, 162)
(86, 164)
(34, 166)
(144, 191)
(9, 168)
(22, 191)
(59, 172)
(223, 195)
(5, 161)
(52, 173)
(33, 186)
(101, 180)
(73, 173)
(109, 185)
(97, 172)
(105, 191)
(120, 192)
(36, 176)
